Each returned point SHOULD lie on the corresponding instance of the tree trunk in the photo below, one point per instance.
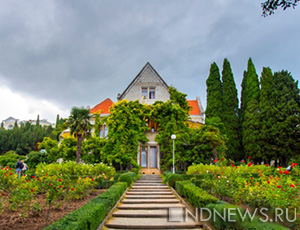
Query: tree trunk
(215, 155)
(78, 152)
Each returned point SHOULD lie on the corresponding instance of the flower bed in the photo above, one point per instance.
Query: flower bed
(59, 183)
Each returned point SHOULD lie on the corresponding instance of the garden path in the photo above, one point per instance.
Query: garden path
(147, 206)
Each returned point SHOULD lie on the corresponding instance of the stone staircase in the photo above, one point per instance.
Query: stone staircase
(146, 206)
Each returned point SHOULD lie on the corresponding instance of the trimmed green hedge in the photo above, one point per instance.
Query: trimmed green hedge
(92, 214)
(126, 178)
(247, 224)
(196, 196)
(173, 178)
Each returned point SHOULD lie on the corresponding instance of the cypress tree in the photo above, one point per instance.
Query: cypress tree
(268, 114)
(286, 129)
(230, 112)
(57, 120)
(37, 124)
(214, 93)
(250, 94)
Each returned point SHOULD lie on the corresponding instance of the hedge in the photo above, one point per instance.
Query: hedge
(92, 214)
(247, 224)
(173, 178)
(196, 196)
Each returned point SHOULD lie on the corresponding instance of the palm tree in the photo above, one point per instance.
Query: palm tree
(80, 126)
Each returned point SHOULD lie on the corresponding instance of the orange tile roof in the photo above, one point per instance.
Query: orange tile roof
(195, 108)
(103, 107)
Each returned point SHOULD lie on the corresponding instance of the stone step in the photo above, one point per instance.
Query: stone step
(148, 184)
(149, 201)
(149, 223)
(150, 206)
(150, 187)
(141, 213)
(167, 192)
(149, 190)
(150, 197)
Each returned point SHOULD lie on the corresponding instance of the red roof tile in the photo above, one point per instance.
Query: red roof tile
(103, 107)
(195, 108)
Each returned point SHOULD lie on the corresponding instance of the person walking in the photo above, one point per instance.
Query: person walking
(25, 167)
(19, 168)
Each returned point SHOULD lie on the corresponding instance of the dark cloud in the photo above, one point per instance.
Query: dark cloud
(81, 52)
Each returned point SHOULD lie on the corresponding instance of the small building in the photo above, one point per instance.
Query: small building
(9, 123)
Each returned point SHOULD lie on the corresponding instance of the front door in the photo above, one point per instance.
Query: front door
(143, 157)
(153, 157)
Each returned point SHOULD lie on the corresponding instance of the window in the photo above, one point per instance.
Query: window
(152, 93)
(103, 131)
(144, 93)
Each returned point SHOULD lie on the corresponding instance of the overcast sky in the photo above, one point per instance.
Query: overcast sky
(58, 54)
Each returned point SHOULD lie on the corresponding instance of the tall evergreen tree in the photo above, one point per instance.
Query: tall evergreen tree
(268, 113)
(286, 130)
(37, 124)
(57, 121)
(214, 93)
(250, 95)
(230, 112)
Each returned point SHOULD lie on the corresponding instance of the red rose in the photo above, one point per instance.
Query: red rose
(9, 168)
(233, 165)
(214, 161)
(72, 189)
(217, 160)
(278, 186)
(268, 181)
(292, 186)
(249, 164)
(222, 159)
(279, 167)
(251, 178)
(92, 179)
(32, 190)
(280, 171)
(267, 165)
(33, 176)
(249, 158)
(59, 180)
(286, 172)
(10, 173)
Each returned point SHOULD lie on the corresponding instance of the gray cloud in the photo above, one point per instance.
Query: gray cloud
(81, 52)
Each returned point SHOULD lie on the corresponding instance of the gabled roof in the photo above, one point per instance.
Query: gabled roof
(103, 106)
(147, 66)
(195, 108)
(10, 118)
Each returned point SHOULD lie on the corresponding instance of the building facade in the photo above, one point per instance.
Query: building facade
(149, 87)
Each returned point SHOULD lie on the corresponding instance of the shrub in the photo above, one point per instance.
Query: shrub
(126, 178)
(166, 175)
(195, 195)
(92, 214)
(10, 159)
(34, 158)
(173, 178)
(117, 176)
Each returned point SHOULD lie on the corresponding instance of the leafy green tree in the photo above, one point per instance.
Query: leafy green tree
(126, 128)
(269, 6)
(214, 137)
(179, 98)
(80, 126)
(214, 99)
(34, 158)
(2, 125)
(94, 150)
(230, 112)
